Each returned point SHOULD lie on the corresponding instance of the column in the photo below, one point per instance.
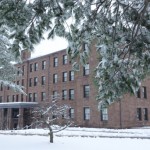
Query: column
(9, 119)
(1, 118)
(20, 118)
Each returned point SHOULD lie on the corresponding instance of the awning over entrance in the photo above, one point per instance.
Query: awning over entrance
(19, 105)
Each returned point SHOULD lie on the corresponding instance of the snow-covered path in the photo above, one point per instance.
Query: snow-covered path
(18, 142)
(143, 133)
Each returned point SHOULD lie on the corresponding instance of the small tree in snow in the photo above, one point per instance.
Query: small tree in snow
(54, 116)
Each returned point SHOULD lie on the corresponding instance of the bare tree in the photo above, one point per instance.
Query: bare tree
(52, 115)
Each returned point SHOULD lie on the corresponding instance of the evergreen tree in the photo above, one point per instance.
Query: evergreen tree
(8, 71)
(120, 29)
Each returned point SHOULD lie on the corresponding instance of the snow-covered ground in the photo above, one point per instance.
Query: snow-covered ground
(18, 142)
(87, 132)
(76, 139)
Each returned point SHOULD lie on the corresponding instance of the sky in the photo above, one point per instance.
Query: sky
(49, 46)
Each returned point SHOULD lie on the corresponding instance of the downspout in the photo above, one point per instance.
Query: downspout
(120, 107)
(49, 78)
(4, 88)
(27, 79)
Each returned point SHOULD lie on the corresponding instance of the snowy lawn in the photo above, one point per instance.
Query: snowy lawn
(76, 139)
(87, 132)
(20, 142)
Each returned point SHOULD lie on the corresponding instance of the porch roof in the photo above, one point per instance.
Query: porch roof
(18, 105)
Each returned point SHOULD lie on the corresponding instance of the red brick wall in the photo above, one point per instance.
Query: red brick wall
(120, 114)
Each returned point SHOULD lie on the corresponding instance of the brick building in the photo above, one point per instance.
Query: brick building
(51, 74)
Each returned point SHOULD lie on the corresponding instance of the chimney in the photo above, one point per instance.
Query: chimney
(25, 54)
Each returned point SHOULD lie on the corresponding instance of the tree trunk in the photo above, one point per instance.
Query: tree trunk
(51, 134)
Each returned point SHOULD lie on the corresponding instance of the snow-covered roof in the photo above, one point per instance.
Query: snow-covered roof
(18, 105)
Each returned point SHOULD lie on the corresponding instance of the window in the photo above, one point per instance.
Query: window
(55, 95)
(5, 112)
(63, 115)
(18, 71)
(43, 96)
(35, 66)
(35, 81)
(1, 99)
(23, 70)
(86, 113)
(104, 114)
(17, 98)
(55, 61)
(30, 97)
(13, 98)
(43, 80)
(1, 87)
(64, 59)
(17, 82)
(22, 82)
(30, 82)
(71, 113)
(55, 78)
(31, 67)
(85, 47)
(43, 64)
(8, 87)
(34, 97)
(138, 94)
(22, 97)
(64, 94)
(71, 75)
(15, 112)
(86, 70)
(145, 113)
(144, 92)
(86, 91)
(64, 76)
(71, 94)
(139, 114)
